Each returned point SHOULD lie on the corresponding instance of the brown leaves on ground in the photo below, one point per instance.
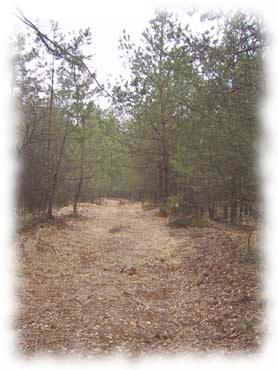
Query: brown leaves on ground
(232, 305)
(85, 290)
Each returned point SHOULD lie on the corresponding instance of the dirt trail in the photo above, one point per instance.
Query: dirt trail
(112, 280)
(133, 237)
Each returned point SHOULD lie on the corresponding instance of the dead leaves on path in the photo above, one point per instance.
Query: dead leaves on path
(231, 305)
(85, 291)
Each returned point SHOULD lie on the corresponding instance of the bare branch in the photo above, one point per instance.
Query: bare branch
(60, 52)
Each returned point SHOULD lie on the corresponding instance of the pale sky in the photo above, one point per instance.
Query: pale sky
(107, 19)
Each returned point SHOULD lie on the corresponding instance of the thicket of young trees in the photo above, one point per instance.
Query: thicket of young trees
(183, 127)
(62, 147)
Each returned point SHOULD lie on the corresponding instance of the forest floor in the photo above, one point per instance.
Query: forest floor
(118, 279)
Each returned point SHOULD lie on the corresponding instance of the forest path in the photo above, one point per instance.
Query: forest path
(128, 236)
(115, 279)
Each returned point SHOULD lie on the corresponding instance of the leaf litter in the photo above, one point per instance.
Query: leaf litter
(141, 288)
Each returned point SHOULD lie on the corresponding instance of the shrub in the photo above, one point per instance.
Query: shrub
(179, 222)
(188, 221)
(199, 222)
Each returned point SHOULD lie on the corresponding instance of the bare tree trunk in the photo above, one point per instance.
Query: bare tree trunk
(211, 210)
(57, 169)
(241, 213)
(225, 213)
(163, 135)
(81, 178)
(234, 212)
(165, 171)
(234, 205)
(77, 195)
(49, 147)
(160, 182)
(164, 175)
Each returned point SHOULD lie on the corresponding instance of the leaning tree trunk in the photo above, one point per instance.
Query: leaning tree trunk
(77, 195)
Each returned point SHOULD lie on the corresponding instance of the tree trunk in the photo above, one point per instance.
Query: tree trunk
(49, 147)
(81, 178)
(211, 210)
(234, 205)
(160, 183)
(233, 212)
(77, 195)
(225, 213)
(165, 179)
(55, 176)
(241, 213)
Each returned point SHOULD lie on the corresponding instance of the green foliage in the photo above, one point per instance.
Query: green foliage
(199, 222)
(173, 202)
(184, 122)
(179, 162)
